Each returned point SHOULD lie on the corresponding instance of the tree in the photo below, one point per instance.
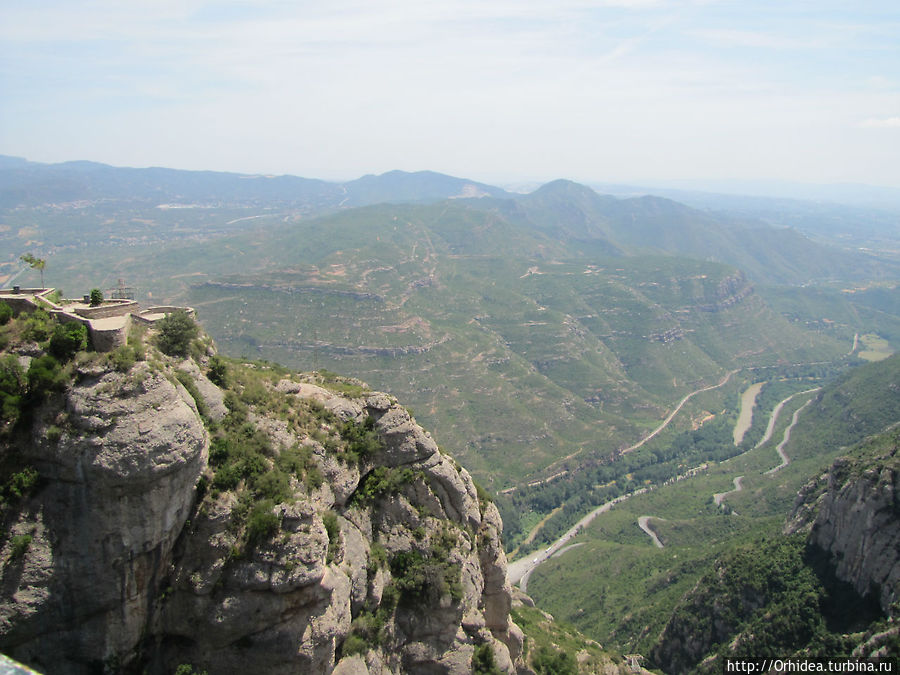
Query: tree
(96, 297)
(550, 661)
(483, 661)
(12, 388)
(44, 375)
(218, 372)
(35, 264)
(67, 339)
(176, 331)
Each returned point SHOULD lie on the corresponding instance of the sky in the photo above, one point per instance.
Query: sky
(493, 90)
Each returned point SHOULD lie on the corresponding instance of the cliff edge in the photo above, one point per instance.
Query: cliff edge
(169, 512)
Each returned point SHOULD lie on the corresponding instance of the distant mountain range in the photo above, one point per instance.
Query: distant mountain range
(24, 183)
(565, 212)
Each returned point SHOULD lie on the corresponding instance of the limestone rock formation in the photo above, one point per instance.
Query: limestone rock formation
(118, 457)
(852, 513)
(294, 530)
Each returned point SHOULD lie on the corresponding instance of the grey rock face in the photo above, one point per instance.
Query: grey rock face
(120, 476)
(856, 519)
(129, 565)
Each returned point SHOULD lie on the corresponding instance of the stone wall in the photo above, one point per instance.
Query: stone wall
(108, 309)
(103, 339)
(107, 339)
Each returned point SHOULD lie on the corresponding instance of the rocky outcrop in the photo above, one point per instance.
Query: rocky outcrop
(380, 559)
(729, 292)
(118, 456)
(840, 558)
(852, 513)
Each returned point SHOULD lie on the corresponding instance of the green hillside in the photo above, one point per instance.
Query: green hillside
(627, 588)
(508, 339)
(537, 335)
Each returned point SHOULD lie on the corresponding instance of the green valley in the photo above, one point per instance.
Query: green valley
(568, 348)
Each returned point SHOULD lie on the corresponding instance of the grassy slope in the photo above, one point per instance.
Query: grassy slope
(627, 588)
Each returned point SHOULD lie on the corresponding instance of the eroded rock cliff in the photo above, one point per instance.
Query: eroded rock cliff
(852, 513)
(276, 525)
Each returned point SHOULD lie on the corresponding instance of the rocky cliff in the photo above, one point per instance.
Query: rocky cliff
(830, 586)
(852, 514)
(153, 520)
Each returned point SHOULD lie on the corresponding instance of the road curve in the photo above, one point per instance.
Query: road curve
(642, 523)
(720, 496)
(785, 460)
(518, 571)
(678, 408)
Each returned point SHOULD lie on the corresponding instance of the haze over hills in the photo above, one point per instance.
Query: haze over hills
(24, 183)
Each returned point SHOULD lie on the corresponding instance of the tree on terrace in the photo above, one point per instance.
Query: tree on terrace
(176, 331)
(35, 264)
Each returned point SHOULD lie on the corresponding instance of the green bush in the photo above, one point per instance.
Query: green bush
(262, 522)
(314, 477)
(368, 626)
(218, 372)
(188, 383)
(333, 528)
(362, 440)
(425, 577)
(382, 481)
(354, 644)
(21, 482)
(6, 313)
(38, 326)
(188, 669)
(176, 331)
(483, 661)
(124, 357)
(67, 339)
(96, 297)
(19, 545)
(12, 387)
(273, 484)
(44, 375)
(550, 661)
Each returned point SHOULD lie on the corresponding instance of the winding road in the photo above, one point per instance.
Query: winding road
(643, 524)
(518, 571)
(738, 486)
(785, 460)
(678, 408)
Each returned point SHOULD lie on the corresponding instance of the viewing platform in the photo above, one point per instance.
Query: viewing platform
(108, 323)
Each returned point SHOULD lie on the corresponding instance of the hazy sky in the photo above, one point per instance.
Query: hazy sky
(498, 90)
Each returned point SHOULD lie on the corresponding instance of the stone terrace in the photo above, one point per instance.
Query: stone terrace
(108, 324)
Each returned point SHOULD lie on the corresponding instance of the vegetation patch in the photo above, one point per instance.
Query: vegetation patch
(427, 576)
(382, 481)
(362, 441)
(175, 333)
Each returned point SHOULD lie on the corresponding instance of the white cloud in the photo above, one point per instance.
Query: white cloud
(555, 87)
(759, 39)
(883, 123)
